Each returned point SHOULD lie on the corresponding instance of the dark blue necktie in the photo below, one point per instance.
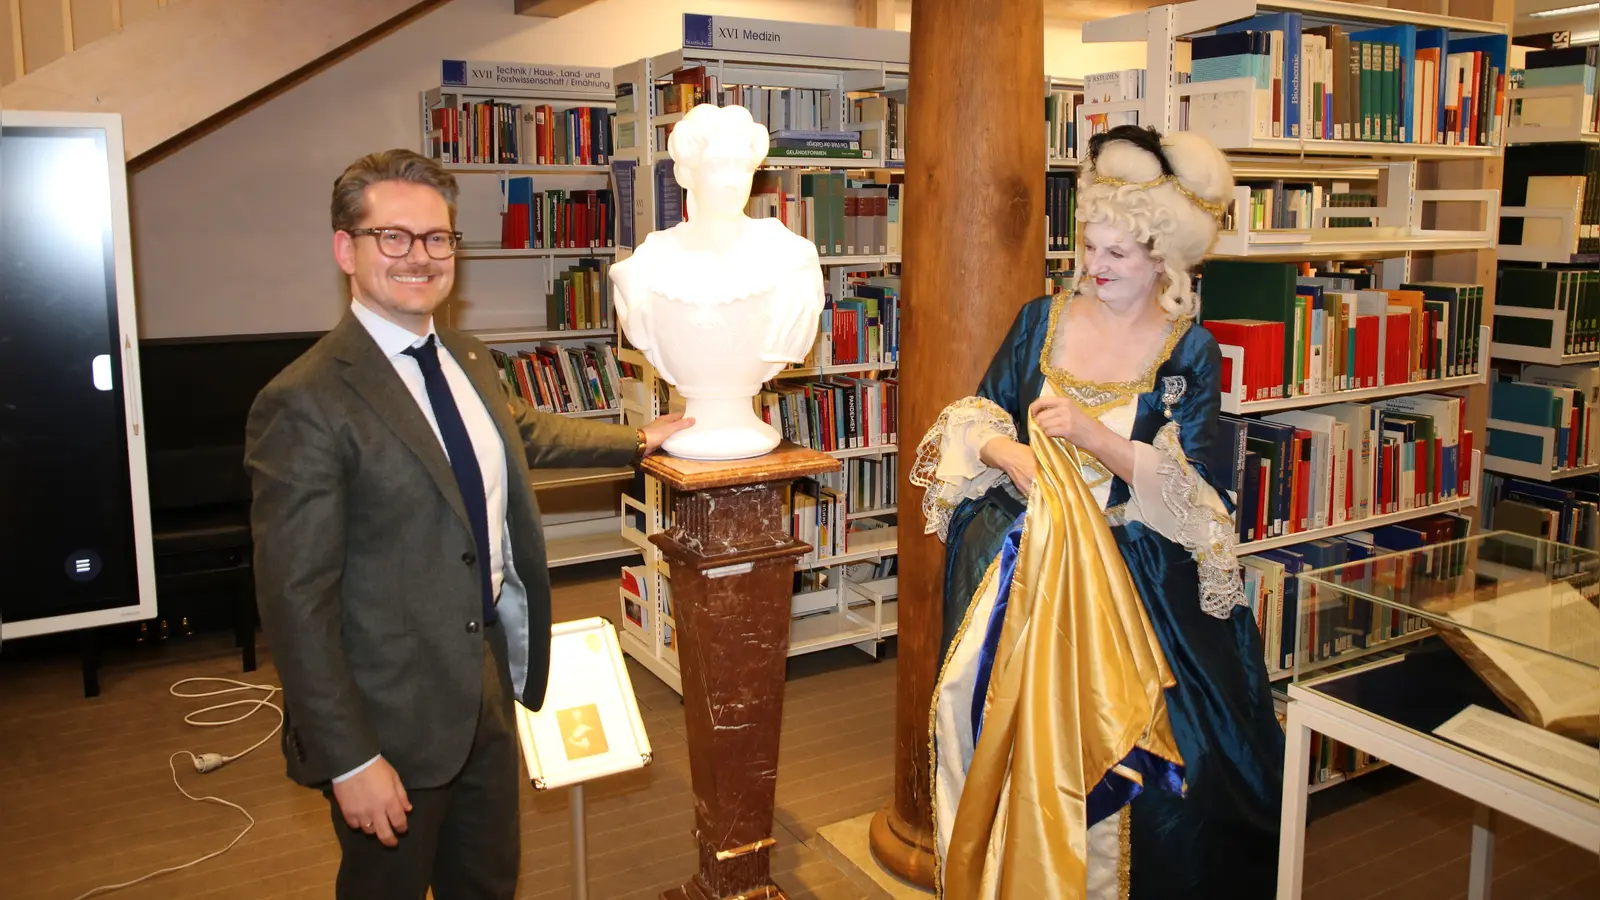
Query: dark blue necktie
(458, 445)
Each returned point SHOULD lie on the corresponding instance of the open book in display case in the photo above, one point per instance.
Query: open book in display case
(1487, 646)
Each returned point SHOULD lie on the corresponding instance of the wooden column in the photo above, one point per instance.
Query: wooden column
(732, 576)
(974, 254)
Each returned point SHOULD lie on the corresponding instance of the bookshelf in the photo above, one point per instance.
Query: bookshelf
(1548, 343)
(1063, 96)
(829, 78)
(500, 128)
(1431, 214)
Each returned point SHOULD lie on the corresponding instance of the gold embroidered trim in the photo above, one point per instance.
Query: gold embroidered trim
(933, 727)
(1098, 397)
(1216, 210)
(1103, 394)
(1125, 852)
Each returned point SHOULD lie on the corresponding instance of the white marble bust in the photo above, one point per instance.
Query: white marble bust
(720, 303)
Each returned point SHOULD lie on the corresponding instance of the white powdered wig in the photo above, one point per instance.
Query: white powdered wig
(1122, 184)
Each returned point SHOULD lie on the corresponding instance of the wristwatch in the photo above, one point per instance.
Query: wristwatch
(641, 445)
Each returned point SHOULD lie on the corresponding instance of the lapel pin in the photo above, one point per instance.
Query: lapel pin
(471, 355)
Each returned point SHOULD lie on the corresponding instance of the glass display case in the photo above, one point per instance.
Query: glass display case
(1490, 644)
(1473, 664)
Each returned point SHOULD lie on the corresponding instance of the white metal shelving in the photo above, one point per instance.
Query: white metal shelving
(594, 534)
(833, 617)
(1564, 128)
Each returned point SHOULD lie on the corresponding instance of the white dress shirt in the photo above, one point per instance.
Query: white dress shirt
(486, 443)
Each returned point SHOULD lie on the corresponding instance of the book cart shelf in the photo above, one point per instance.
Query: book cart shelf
(487, 135)
(1435, 218)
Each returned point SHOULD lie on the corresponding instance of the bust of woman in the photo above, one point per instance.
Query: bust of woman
(721, 302)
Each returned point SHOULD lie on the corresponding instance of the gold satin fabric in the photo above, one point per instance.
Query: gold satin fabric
(1077, 684)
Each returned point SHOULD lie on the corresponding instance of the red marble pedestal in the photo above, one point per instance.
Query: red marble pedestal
(732, 563)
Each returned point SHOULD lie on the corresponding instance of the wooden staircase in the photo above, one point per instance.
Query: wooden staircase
(171, 66)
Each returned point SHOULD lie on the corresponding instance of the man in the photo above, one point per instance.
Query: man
(400, 561)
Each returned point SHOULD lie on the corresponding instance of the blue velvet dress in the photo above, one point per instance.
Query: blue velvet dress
(1220, 840)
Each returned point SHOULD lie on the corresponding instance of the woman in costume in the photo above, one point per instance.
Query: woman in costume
(1102, 726)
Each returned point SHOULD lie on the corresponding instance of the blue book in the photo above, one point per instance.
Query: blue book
(1287, 24)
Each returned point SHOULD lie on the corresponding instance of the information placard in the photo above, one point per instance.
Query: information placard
(704, 32)
(589, 726)
(522, 76)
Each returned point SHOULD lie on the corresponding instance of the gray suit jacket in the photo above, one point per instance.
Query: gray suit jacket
(366, 570)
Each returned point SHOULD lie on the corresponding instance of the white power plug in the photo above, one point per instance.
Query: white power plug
(209, 762)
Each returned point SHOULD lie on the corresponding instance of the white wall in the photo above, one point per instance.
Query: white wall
(231, 232)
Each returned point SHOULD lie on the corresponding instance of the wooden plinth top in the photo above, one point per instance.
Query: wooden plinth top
(786, 462)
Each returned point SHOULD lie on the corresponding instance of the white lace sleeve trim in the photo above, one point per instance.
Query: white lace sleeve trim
(1169, 496)
(948, 465)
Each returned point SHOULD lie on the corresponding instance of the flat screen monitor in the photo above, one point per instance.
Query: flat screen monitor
(74, 506)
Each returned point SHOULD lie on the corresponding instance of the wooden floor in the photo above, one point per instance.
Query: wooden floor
(86, 798)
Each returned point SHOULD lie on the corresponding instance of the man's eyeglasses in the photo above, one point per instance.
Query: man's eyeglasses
(395, 243)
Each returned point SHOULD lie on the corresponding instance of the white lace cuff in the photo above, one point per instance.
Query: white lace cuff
(1169, 496)
(948, 465)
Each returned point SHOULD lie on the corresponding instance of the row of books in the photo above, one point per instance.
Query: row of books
(835, 412)
(823, 145)
(860, 582)
(886, 114)
(862, 327)
(1301, 470)
(868, 483)
(563, 378)
(1333, 761)
(580, 297)
(1561, 398)
(843, 216)
(1060, 211)
(823, 512)
(1290, 205)
(793, 115)
(1111, 87)
(1564, 176)
(1559, 67)
(556, 219)
(1061, 123)
(785, 109)
(1394, 84)
(686, 89)
(1565, 511)
(1331, 626)
(1312, 335)
(513, 133)
(818, 516)
(1058, 276)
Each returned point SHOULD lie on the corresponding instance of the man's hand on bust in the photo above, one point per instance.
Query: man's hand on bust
(373, 800)
(661, 429)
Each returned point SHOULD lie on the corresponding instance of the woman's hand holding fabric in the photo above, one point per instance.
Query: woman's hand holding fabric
(1015, 459)
(1062, 417)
